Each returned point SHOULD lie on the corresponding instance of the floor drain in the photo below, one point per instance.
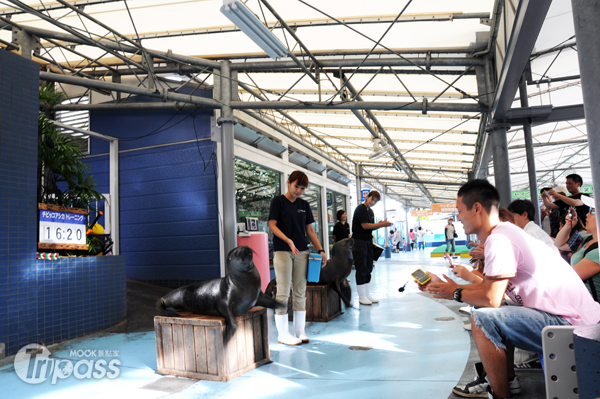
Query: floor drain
(361, 348)
(444, 318)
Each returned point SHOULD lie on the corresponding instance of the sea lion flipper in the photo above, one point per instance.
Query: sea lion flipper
(336, 287)
(268, 302)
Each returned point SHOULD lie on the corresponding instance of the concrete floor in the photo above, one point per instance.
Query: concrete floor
(407, 346)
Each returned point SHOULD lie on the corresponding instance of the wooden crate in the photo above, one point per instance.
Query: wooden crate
(194, 346)
(322, 303)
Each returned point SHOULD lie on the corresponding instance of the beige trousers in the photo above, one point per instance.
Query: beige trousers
(290, 273)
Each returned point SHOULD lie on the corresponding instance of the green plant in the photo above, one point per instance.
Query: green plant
(63, 178)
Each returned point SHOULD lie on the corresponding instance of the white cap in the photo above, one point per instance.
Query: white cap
(561, 189)
(589, 201)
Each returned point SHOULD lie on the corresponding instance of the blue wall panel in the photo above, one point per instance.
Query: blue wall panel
(169, 224)
(41, 301)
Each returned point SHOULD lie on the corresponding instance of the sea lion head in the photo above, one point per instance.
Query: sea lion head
(239, 259)
(343, 248)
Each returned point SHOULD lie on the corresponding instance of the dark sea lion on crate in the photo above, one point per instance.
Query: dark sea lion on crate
(335, 273)
(338, 268)
(228, 297)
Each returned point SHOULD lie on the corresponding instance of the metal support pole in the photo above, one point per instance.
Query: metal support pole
(114, 195)
(227, 161)
(386, 244)
(497, 132)
(585, 17)
(358, 183)
(406, 220)
(533, 189)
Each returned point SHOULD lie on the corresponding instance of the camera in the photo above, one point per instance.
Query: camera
(571, 212)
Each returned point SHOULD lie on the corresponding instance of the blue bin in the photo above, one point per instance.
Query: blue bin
(314, 268)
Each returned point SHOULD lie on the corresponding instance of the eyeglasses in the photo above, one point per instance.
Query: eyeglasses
(593, 212)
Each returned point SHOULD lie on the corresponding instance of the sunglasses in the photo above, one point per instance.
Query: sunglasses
(593, 212)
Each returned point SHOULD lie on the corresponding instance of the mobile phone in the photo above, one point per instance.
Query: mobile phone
(449, 259)
(571, 212)
(421, 276)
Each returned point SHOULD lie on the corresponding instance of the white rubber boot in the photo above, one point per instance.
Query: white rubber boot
(299, 323)
(283, 334)
(362, 298)
(368, 295)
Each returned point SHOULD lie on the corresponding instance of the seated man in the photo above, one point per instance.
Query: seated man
(523, 213)
(516, 264)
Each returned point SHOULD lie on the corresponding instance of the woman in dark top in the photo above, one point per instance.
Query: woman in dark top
(290, 220)
(341, 230)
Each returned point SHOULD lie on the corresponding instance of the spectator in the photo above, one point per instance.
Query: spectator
(523, 213)
(585, 260)
(545, 215)
(450, 233)
(549, 292)
(341, 230)
(363, 224)
(420, 238)
(553, 213)
(574, 240)
(396, 240)
(404, 244)
(573, 183)
(411, 237)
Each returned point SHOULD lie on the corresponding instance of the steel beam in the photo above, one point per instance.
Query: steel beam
(98, 84)
(353, 63)
(530, 153)
(501, 162)
(542, 114)
(227, 161)
(358, 105)
(527, 24)
(115, 46)
(587, 31)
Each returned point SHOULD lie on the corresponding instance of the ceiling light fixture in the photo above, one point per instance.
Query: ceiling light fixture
(248, 23)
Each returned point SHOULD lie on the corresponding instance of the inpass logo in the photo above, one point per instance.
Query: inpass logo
(33, 365)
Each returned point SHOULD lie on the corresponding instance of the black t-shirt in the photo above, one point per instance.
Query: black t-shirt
(292, 219)
(341, 231)
(362, 214)
(582, 210)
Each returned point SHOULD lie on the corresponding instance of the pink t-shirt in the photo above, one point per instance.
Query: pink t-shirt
(538, 278)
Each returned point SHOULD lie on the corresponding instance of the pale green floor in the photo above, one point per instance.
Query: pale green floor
(407, 346)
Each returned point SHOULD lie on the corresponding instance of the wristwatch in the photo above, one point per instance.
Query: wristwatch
(457, 294)
(321, 250)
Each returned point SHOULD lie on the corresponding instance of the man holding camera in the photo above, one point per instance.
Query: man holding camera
(563, 202)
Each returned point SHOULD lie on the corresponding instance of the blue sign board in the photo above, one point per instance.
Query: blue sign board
(363, 195)
(329, 199)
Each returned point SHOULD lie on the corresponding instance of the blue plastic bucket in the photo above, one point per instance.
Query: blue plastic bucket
(314, 268)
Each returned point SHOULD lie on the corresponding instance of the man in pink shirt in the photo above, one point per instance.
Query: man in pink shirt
(545, 288)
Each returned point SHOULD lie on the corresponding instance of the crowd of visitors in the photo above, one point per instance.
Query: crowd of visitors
(523, 287)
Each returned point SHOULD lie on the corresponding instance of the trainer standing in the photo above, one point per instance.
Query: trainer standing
(363, 224)
(290, 220)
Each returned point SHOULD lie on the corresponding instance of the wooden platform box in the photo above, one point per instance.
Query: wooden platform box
(193, 346)
(322, 303)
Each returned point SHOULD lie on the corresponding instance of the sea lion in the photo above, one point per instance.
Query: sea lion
(228, 297)
(338, 268)
(335, 272)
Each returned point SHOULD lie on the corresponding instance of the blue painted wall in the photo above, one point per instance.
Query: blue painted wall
(41, 301)
(169, 224)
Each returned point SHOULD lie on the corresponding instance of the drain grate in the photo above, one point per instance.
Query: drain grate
(360, 348)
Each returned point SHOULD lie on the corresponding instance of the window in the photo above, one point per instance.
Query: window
(255, 187)
(335, 202)
(313, 196)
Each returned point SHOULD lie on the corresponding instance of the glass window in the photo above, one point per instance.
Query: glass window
(313, 196)
(255, 187)
(335, 202)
